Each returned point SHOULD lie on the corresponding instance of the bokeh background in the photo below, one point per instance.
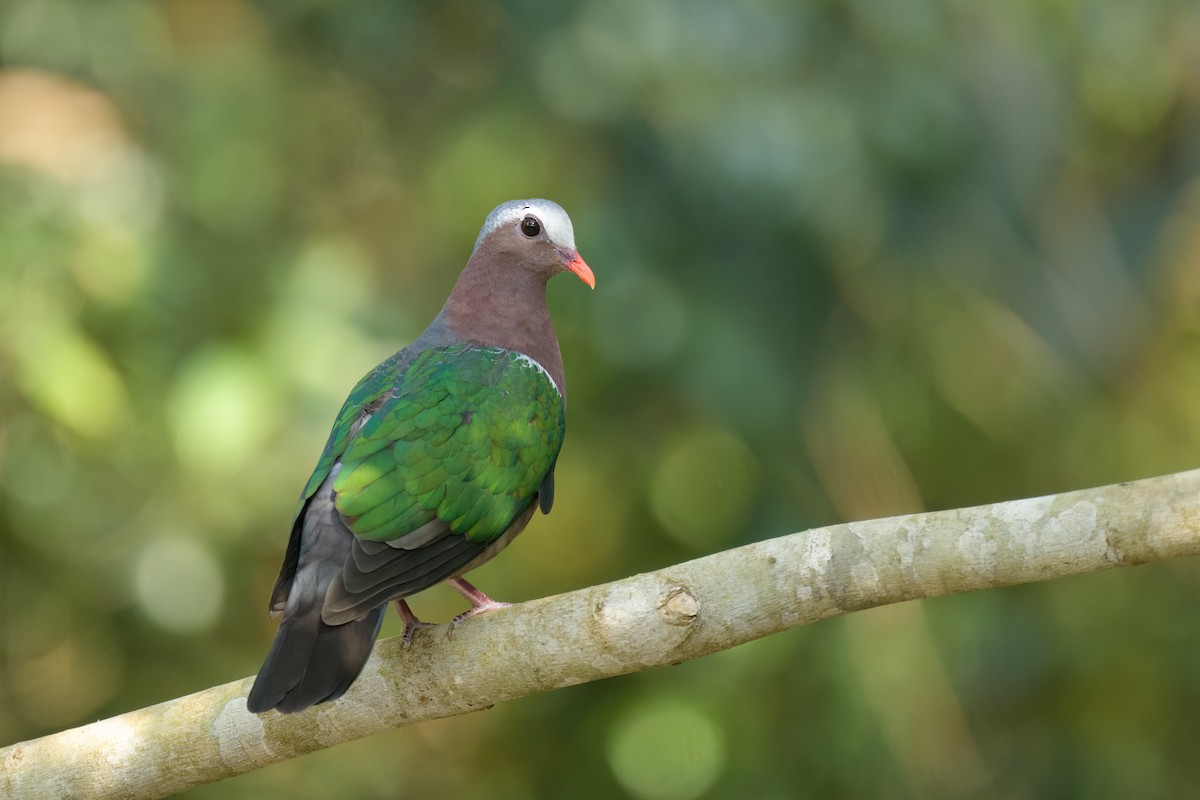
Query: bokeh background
(854, 259)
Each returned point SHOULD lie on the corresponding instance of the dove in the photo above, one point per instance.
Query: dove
(439, 457)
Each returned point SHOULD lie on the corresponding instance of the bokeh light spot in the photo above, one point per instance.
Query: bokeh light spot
(110, 265)
(219, 410)
(123, 188)
(667, 751)
(179, 584)
(71, 379)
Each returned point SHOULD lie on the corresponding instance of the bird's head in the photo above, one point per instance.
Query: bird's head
(536, 235)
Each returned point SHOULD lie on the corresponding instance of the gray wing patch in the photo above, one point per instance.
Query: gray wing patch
(420, 537)
(376, 572)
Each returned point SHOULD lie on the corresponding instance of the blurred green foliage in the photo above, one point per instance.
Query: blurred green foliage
(853, 259)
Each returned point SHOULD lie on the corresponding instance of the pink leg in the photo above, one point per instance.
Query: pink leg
(479, 601)
(411, 623)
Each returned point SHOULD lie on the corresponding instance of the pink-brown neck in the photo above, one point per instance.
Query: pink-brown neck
(499, 301)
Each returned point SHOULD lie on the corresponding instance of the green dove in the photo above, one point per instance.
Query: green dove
(437, 460)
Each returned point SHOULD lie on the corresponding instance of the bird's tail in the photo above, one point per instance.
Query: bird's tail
(311, 662)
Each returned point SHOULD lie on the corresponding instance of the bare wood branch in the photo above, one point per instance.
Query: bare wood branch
(677, 613)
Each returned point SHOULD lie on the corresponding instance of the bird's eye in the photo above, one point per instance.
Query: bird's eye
(531, 227)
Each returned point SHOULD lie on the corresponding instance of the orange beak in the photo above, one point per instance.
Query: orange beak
(572, 261)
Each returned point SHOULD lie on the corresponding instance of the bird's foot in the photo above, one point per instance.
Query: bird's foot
(411, 623)
(490, 605)
(480, 602)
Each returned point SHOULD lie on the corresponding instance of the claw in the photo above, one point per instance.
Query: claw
(480, 602)
(411, 623)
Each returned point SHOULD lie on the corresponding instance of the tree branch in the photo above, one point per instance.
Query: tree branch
(675, 614)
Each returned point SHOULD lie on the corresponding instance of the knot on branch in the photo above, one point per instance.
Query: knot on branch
(679, 607)
(645, 620)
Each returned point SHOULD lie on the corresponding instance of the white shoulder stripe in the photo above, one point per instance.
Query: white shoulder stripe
(524, 359)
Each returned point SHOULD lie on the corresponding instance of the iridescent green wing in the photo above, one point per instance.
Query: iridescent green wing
(366, 394)
(467, 438)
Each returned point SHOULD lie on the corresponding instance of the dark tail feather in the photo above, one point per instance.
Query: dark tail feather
(311, 662)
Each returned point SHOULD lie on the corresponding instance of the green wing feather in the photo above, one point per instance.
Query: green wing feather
(367, 393)
(467, 437)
